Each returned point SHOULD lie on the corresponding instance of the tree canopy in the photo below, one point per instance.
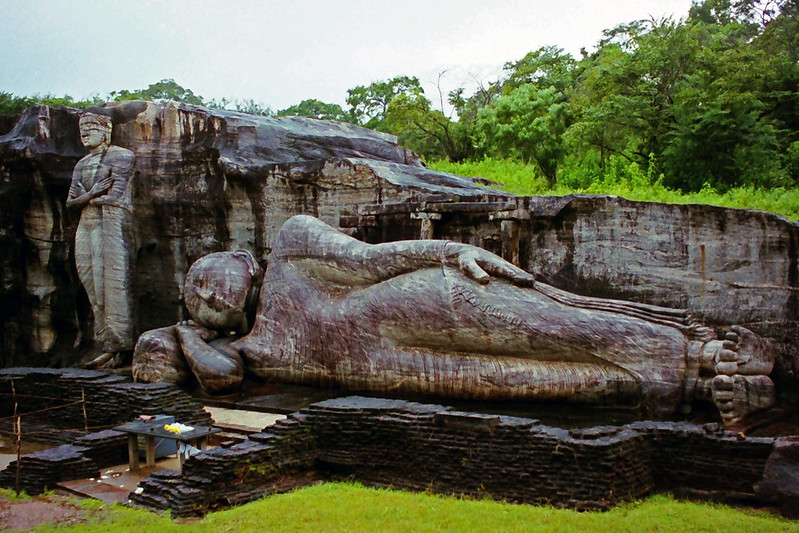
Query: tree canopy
(317, 109)
(708, 101)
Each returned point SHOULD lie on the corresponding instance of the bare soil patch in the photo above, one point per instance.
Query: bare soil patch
(20, 515)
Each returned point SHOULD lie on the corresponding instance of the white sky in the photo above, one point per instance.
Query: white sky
(279, 53)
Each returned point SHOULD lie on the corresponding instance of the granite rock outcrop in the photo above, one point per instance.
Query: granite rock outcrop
(205, 181)
(211, 180)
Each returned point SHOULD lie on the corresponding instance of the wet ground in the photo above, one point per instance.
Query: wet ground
(117, 482)
(8, 449)
(23, 515)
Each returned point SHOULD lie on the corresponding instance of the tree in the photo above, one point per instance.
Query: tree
(546, 67)
(14, 105)
(688, 95)
(721, 134)
(779, 44)
(528, 124)
(317, 109)
(369, 104)
(163, 91)
(425, 130)
(603, 109)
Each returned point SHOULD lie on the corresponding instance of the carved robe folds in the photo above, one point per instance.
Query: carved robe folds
(423, 317)
(105, 248)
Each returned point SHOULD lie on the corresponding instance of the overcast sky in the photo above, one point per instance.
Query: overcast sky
(279, 53)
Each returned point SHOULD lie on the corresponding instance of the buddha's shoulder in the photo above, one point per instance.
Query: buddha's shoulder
(119, 154)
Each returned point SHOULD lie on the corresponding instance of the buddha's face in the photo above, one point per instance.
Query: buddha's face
(216, 291)
(91, 136)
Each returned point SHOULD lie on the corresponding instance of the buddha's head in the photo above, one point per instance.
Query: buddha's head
(221, 290)
(95, 130)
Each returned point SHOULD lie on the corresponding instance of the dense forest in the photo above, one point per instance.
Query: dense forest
(708, 103)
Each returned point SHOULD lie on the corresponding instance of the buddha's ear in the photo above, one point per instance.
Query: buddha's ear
(252, 264)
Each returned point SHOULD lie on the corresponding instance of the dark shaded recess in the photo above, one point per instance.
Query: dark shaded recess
(155, 288)
(786, 371)
(7, 123)
(563, 224)
(64, 302)
(305, 195)
(64, 142)
(395, 228)
(12, 294)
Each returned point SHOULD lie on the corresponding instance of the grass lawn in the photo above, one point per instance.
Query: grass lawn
(346, 507)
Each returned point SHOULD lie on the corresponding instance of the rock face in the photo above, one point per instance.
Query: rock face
(780, 483)
(210, 180)
(205, 181)
(728, 266)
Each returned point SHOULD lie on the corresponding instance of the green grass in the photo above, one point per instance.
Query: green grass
(10, 495)
(625, 180)
(345, 507)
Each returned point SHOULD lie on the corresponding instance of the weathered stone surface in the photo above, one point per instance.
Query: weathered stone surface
(105, 240)
(205, 181)
(157, 357)
(728, 266)
(221, 289)
(442, 318)
(208, 180)
(780, 483)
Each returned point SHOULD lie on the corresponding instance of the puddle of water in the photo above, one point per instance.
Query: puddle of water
(8, 449)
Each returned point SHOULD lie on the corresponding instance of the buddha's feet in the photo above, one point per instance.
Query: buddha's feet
(738, 396)
(741, 364)
(743, 352)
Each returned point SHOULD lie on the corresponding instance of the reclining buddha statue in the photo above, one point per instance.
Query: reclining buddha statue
(447, 319)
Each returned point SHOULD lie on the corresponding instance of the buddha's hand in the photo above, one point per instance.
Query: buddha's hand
(480, 265)
(101, 186)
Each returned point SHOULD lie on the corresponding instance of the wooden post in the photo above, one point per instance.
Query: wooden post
(17, 437)
(83, 405)
(149, 450)
(133, 451)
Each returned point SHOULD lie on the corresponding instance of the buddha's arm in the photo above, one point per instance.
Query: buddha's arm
(120, 162)
(78, 196)
(332, 255)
